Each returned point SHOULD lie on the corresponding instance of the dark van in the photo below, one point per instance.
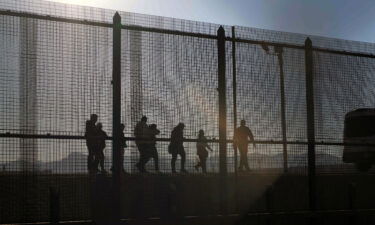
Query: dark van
(359, 138)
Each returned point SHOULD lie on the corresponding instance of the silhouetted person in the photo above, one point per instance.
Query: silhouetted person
(241, 138)
(123, 146)
(202, 152)
(151, 148)
(90, 136)
(176, 147)
(99, 158)
(140, 133)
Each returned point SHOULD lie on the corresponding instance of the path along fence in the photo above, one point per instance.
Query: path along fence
(56, 71)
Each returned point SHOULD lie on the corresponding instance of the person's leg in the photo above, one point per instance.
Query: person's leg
(122, 159)
(203, 160)
(95, 161)
(183, 158)
(101, 160)
(143, 157)
(199, 164)
(140, 164)
(246, 161)
(156, 158)
(242, 157)
(173, 162)
(90, 158)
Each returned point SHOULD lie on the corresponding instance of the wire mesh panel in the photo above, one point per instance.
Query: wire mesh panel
(54, 75)
(258, 97)
(170, 79)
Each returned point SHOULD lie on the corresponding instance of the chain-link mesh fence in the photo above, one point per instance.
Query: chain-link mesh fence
(56, 70)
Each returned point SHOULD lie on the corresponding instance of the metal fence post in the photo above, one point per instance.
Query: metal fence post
(234, 71)
(310, 123)
(222, 118)
(234, 84)
(279, 52)
(116, 147)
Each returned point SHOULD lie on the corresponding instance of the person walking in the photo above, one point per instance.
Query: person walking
(151, 148)
(99, 158)
(176, 147)
(242, 134)
(202, 152)
(123, 146)
(90, 136)
(141, 136)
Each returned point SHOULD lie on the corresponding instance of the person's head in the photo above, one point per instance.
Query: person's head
(94, 118)
(122, 126)
(153, 126)
(100, 126)
(201, 133)
(144, 119)
(243, 122)
(181, 126)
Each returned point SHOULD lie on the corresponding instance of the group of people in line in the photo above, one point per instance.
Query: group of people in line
(145, 140)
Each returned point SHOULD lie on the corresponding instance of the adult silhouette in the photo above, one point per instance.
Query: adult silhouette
(90, 136)
(123, 146)
(151, 148)
(242, 134)
(141, 136)
(99, 155)
(176, 147)
(202, 152)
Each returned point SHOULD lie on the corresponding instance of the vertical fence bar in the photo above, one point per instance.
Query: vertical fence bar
(234, 85)
(222, 117)
(279, 52)
(234, 94)
(310, 122)
(116, 147)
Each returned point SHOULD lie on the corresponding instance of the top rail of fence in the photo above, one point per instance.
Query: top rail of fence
(176, 32)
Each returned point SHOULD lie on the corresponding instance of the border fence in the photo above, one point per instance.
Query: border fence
(57, 68)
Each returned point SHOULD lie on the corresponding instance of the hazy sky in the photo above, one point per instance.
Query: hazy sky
(345, 19)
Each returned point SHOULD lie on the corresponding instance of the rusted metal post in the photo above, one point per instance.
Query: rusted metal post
(310, 123)
(234, 84)
(234, 81)
(279, 52)
(116, 145)
(222, 118)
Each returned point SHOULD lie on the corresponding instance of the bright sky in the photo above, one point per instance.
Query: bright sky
(345, 19)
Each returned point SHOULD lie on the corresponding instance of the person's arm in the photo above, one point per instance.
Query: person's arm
(123, 141)
(206, 145)
(209, 147)
(251, 136)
